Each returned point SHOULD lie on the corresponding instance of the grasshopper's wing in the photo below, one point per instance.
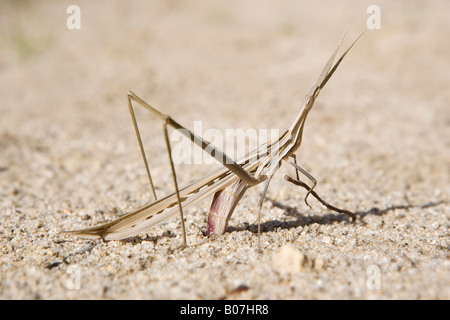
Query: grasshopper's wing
(148, 216)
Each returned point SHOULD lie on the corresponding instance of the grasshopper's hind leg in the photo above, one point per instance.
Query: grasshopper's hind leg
(169, 150)
(138, 136)
(174, 176)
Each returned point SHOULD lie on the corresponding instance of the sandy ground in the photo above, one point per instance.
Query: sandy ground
(377, 141)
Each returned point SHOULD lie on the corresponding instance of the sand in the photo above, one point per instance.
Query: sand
(377, 141)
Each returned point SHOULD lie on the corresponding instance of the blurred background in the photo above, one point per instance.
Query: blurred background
(235, 64)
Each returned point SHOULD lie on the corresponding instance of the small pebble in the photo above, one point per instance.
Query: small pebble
(290, 260)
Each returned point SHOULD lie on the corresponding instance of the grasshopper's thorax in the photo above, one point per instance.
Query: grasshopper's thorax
(296, 127)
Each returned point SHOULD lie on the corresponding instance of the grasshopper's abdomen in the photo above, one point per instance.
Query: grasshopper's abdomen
(223, 205)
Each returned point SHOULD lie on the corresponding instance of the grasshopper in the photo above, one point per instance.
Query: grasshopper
(228, 184)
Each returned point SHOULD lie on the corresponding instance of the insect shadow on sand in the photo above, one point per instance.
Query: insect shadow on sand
(302, 220)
